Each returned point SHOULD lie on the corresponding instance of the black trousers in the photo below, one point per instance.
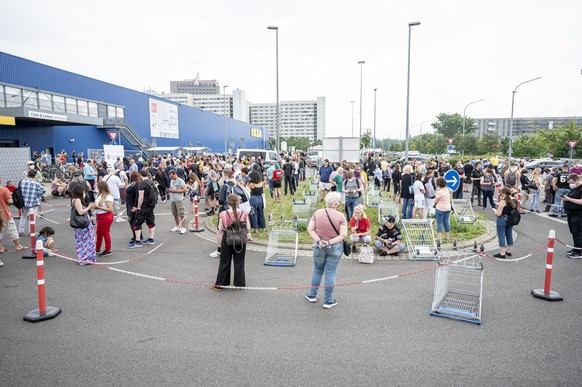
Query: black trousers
(290, 180)
(476, 191)
(575, 225)
(228, 254)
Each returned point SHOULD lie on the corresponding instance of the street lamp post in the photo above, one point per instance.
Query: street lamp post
(407, 140)
(224, 98)
(511, 119)
(353, 118)
(361, 63)
(464, 117)
(374, 143)
(276, 28)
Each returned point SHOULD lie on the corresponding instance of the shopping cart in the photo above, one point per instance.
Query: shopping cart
(301, 210)
(458, 289)
(372, 198)
(420, 239)
(283, 242)
(314, 185)
(464, 211)
(388, 207)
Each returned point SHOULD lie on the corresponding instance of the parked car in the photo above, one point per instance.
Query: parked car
(417, 158)
(542, 163)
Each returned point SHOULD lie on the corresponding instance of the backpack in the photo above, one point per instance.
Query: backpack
(17, 199)
(152, 198)
(511, 178)
(236, 234)
(514, 217)
(233, 189)
(429, 188)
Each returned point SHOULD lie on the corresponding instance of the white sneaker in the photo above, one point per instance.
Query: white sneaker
(119, 220)
(182, 231)
(215, 254)
(175, 229)
(1, 263)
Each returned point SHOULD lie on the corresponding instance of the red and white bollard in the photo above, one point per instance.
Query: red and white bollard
(546, 293)
(31, 255)
(19, 214)
(197, 227)
(43, 312)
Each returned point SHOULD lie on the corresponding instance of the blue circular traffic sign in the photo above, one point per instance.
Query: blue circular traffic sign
(453, 179)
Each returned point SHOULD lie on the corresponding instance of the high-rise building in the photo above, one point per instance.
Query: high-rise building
(195, 86)
(521, 125)
(298, 118)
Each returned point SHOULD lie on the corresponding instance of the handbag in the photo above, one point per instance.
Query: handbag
(236, 234)
(347, 246)
(78, 221)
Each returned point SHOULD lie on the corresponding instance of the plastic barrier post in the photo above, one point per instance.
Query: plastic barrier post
(197, 227)
(43, 312)
(31, 255)
(19, 214)
(546, 293)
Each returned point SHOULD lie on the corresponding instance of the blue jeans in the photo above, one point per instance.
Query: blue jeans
(443, 219)
(407, 205)
(557, 201)
(325, 261)
(257, 215)
(504, 232)
(534, 205)
(351, 203)
(271, 189)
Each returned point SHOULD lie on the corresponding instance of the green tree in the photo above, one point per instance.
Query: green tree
(488, 144)
(366, 140)
(467, 144)
(301, 143)
(451, 125)
(556, 140)
(530, 145)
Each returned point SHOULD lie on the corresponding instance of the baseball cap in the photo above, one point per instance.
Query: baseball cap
(389, 219)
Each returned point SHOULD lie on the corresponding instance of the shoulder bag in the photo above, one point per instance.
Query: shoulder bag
(347, 246)
(78, 221)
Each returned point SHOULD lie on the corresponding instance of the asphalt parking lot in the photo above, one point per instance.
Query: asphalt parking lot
(152, 319)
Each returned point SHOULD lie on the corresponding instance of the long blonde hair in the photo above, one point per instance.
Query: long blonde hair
(362, 208)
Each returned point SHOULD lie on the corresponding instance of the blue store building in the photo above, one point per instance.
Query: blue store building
(49, 109)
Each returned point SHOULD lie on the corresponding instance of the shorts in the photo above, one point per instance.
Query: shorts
(276, 183)
(324, 186)
(146, 215)
(177, 208)
(10, 230)
(419, 203)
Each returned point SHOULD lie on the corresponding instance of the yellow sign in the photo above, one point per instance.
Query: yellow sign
(256, 133)
(7, 120)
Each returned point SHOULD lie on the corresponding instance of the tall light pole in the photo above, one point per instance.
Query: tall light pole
(278, 129)
(224, 98)
(374, 122)
(464, 117)
(511, 119)
(361, 63)
(407, 140)
(352, 117)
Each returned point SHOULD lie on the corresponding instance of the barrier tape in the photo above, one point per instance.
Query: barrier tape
(516, 259)
(567, 245)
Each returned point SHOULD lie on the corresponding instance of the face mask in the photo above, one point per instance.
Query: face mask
(573, 186)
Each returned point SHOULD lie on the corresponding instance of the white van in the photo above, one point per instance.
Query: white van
(268, 156)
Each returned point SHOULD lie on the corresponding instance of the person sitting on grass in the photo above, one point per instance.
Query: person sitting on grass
(360, 226)
(388, 238)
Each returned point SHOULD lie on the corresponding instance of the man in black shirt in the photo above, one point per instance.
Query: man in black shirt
(289, 170)
(476, 175)
(468, 170)
(561, 187)
(573, 208)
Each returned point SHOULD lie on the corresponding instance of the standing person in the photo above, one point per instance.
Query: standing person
(89, 173)
(495, 164)
(361, 227)
(130, 203)
(468, 171)
(270, 171)
(288, 170)
(561, 187)
(536, 185)
(430, 191)
(104, 212)
(396, 178)
(353, 188)
(487, 185)
(573, 208)
(32, 192)
(442, 202)
(119, 172)
(458, 194)
(177, 190)
(549, 189)
(84, 237)
(324, 173)
(328, 228)
(228, 253)
(387, 177)
(524, 183)
(511, 176)
(407, 192)
(212, 190)
(419, 197)
(145, 201)
(301, 169)
(378, 177)
(115, 185)
(476, 176)
(160, 178)
(337, 182)
(9, 226)
(504, 229)
(257, 185)
(277, 176)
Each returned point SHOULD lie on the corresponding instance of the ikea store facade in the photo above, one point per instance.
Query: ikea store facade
(49, 109)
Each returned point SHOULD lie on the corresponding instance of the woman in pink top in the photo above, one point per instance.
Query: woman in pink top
(230, 253)
(328, 228)
(442, 203)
